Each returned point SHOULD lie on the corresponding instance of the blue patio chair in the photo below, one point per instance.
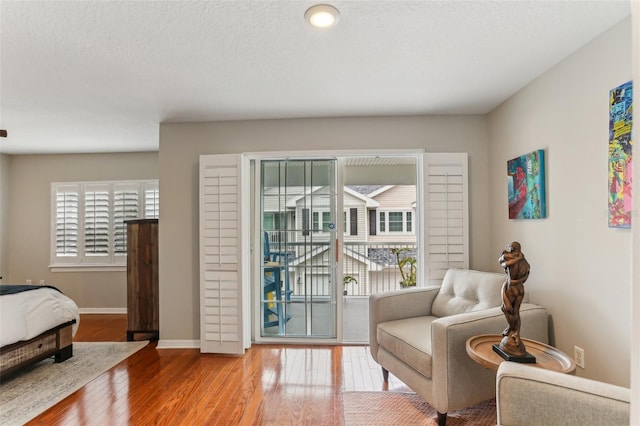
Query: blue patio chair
(276, 264)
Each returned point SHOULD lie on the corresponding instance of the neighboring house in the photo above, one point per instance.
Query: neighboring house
(394, 220)
(375, 219)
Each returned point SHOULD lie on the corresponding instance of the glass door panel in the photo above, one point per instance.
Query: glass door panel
(298, 234)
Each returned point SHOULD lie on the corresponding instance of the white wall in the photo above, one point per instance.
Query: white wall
(181, 144)
(580, 268)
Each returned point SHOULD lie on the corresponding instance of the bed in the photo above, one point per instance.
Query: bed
(36, 322)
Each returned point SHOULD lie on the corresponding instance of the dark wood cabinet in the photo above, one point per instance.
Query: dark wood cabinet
(142, 280)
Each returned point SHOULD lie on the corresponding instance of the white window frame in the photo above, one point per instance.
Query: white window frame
(147, 206)
(383, 218)
(321, 212)
(346, 221)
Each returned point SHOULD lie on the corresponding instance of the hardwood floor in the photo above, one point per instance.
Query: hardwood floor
(269, 385)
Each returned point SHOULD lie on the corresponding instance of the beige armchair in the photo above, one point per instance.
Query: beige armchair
(419, 335)
(528, 395)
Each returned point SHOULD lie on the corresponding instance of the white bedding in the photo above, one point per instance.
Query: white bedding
(25, 315)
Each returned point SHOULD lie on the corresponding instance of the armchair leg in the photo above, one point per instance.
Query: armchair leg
(442, 418)
(385, 375)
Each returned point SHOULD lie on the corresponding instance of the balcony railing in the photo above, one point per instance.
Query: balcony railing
(368, 267)
(373, 265)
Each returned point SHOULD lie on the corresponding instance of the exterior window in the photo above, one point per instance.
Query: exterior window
(274, 221)
(320, 221)
(88, 220)
(268, 222)
(395, 222)
(345, 222)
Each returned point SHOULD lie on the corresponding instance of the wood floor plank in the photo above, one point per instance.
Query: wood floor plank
(270, 384)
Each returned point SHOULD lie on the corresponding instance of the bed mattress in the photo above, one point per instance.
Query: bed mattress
(27, 314)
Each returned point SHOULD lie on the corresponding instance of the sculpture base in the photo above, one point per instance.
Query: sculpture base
(526, 359)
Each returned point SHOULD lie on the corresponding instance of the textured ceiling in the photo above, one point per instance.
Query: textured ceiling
(99, 76)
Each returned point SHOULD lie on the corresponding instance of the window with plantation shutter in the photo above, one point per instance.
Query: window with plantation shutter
(89, 220)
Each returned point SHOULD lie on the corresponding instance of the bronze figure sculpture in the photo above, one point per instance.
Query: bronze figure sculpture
(516, 269)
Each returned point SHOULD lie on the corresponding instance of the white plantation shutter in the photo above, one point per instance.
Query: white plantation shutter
(446, 214)
(88, 220)
(66, 221)
(96, 221)
(221, 290)
(151, 201)
(126, 206)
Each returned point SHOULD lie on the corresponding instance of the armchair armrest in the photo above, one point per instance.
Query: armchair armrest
(454, 371)
(527, 395)
(395, 305)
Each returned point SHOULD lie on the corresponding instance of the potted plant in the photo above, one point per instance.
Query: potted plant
(407, 265)
(346, 280)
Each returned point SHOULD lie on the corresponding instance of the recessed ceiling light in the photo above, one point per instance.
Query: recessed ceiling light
(322, 15)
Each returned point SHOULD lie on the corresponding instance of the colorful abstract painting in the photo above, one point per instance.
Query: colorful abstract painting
(620, 155)
(526, 186)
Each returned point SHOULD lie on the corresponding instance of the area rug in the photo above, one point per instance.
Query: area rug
(408, 409)
(29, 393)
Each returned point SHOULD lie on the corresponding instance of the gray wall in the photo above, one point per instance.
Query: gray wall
(580, 268)
(30, 216)
(4, 217)
(182, 144)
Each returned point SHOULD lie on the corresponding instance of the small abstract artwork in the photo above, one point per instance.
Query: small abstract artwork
(526, 186)
(620, 155)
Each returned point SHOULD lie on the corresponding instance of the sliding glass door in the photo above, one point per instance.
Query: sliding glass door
(298, 230)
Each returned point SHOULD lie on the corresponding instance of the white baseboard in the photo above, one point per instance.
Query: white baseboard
(103, 310)
(178, 344)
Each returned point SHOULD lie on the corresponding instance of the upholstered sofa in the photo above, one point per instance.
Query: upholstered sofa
(527, 395)
(419, 335)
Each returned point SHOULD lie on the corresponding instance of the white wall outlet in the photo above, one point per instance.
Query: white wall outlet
(28, 282)
(41, 282)
(578, 356)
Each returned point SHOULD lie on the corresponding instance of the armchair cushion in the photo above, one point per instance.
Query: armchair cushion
(410, 340)
(466, 290)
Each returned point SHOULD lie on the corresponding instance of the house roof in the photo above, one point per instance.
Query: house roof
(380, 190)
(365, 189)
(373, 266)
(368, 202)
(301, 192)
